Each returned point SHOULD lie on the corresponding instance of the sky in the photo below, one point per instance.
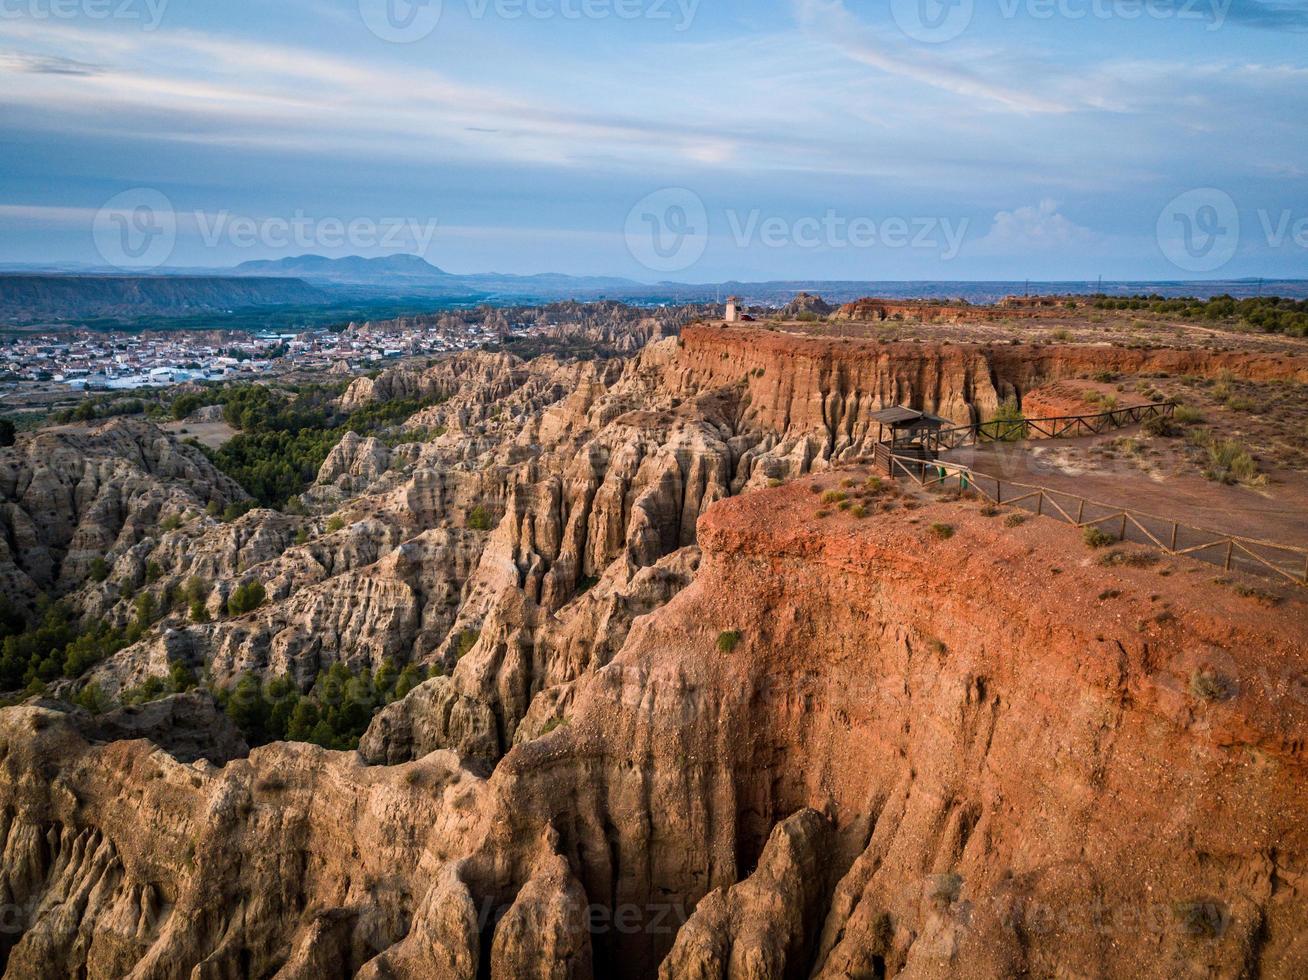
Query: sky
(686, 140)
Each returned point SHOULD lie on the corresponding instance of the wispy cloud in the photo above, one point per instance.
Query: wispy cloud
(276, 94)
(46, 65)
(893, 54)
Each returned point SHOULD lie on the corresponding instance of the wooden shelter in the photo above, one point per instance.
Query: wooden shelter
(912, 433)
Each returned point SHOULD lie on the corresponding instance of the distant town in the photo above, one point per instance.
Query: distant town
(94, 361)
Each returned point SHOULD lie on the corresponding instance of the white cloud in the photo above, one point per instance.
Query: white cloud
(1035, 228)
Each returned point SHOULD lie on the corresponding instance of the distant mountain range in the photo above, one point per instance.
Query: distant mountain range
(29, 297)
(314, 288)
(413, 275)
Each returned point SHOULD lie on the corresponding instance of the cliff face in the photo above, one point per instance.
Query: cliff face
(914, 761)
(68, 497)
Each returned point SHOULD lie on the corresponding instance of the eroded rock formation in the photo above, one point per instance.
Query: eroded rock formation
(686, 727)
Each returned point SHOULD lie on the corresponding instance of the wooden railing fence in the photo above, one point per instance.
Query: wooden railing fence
(1054, 427)
(1229, 551)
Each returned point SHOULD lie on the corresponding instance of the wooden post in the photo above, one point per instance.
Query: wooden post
(1175, 527)
(1122, 536)
(1040, 504)
(1230, 550)
(1080, 511)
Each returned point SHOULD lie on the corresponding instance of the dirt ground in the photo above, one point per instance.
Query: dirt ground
(211, 434)
(1084, 326)
(1275, 512)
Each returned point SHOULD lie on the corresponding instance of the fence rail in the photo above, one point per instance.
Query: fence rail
(1054, 427)
(1229, 551)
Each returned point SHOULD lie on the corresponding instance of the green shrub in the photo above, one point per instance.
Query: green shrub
(235, 511)
(941, 532)
(1010, 422)
(1014, 520)
(1209, 686)
(554, 723)
(246, 598)
(1131, 559)
(99, 569)
(728, 640)
(1186, 415)
(1096, 537)
(146, 613)
(1228, 462)
(467, 640)
(335, 523)
(1161, 426)
(93, 699)
(479, 519)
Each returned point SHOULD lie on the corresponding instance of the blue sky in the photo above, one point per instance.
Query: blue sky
(805, 139)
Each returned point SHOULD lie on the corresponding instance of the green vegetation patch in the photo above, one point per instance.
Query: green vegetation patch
(334, 713)
(1265, 314)
(285, 436)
